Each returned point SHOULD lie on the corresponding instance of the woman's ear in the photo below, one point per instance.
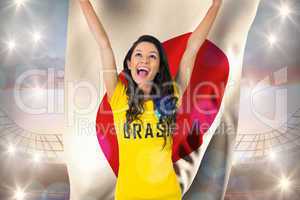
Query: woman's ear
(128, 64)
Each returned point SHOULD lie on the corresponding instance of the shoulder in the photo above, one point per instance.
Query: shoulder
(119, 97)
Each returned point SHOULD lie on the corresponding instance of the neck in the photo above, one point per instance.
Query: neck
(146, 89)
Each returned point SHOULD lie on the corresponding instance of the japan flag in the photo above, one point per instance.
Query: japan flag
(91, 156)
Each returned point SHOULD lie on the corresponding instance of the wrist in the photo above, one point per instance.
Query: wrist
(217, 4)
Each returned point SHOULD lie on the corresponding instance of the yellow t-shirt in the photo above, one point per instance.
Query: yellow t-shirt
(145, 168)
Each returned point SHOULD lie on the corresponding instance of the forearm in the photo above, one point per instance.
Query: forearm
(95, 24)
(200, 33)
(108, 67)
(194, 43)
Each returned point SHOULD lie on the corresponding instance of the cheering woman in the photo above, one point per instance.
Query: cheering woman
(144, 106)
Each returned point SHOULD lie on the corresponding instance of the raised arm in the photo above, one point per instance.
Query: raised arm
(109, 68)
(194, 43)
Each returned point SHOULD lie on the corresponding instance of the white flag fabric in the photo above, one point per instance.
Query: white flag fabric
(91, 173)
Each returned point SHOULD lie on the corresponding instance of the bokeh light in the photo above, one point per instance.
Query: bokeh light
(20, 2)
(284, 184)
(19, 194)
(11, 45)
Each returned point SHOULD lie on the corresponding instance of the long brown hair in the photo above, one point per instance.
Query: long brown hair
(162, 93)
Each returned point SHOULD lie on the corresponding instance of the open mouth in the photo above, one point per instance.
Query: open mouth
(142, 71)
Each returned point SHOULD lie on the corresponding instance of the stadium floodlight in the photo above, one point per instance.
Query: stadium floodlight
(272, 39)
(19, 194)
(284, 10)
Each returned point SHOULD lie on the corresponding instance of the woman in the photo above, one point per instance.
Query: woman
(144, 109)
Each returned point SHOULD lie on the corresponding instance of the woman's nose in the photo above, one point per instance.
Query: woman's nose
(145, 59)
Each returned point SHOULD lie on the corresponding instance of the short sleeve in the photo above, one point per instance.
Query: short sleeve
(118, 99)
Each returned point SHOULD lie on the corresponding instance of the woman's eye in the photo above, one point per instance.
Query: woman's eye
(138, 55)
(153, 56)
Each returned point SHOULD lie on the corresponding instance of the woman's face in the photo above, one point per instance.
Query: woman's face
(144, 63)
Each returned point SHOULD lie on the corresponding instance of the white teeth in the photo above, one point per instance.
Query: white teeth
(143, 68)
